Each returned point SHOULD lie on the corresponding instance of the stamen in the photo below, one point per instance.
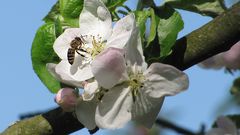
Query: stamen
(136, 79)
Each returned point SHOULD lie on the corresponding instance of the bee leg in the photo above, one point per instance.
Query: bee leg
(80, 49)
(82, 38)
(80, 54)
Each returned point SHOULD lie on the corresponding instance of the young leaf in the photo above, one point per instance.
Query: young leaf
(170, 24)
(141, 18)
(113, 4)
(204, 7)
(153, 27)
(42, 53)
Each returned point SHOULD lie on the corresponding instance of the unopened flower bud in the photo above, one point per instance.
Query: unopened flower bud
(232, 57)
(66, 98)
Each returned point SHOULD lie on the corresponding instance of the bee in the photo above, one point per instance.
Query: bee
(75, 46)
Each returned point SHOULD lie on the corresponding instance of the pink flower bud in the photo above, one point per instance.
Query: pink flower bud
(66, 99)
(232, 57)
(229, 59)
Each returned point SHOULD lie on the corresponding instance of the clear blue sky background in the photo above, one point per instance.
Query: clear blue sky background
(22, 91)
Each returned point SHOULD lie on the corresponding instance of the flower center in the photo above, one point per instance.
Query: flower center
(90, 48)
(98, 46)
(136, 79)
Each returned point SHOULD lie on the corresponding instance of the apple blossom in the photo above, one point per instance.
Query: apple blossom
(135, 92)
(66, 98)
(97, 34)
(225, 126)
(229, 59)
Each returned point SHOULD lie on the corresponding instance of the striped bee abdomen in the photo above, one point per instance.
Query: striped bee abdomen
(71, 55)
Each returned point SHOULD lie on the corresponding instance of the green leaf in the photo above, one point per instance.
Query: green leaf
(53, 14)
(153, 27)
(235, 89)
(58, 27)
(141, 18)
(113, 4)
(145, 4)
(204, 7)
(71, 8)
(72, 22)
(42, 53)
(170, 24)
(70, 11)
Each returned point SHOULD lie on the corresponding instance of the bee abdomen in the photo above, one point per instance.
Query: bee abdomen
(71, 55)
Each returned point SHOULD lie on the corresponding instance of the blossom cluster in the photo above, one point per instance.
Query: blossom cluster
(109, 65)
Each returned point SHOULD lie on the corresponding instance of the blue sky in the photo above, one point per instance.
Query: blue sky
(23, 92)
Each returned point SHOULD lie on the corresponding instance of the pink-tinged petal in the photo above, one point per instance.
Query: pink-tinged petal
(227, 125)
(95, 19)
(216, 131)
(114, 110)
(67, 79)
(62, 43)
(122, 32)
(146, 109)
(85, 112)
(66, 98)
(231, 58)
(90, 88)
(164, 80)
(215, 62)
(109, 67)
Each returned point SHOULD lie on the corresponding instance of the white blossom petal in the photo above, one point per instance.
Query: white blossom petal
(122, 32)
(90, 88)
(109, 67)
(164, 80)
(85, 112)
(68, 79)
(227, 125)
(134, 51)
(146, 109)
(62, 43)
(114, 111)
(63, 69)
(95, 19)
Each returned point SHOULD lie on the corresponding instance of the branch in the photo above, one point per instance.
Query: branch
(167, 124)
(215, 37)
